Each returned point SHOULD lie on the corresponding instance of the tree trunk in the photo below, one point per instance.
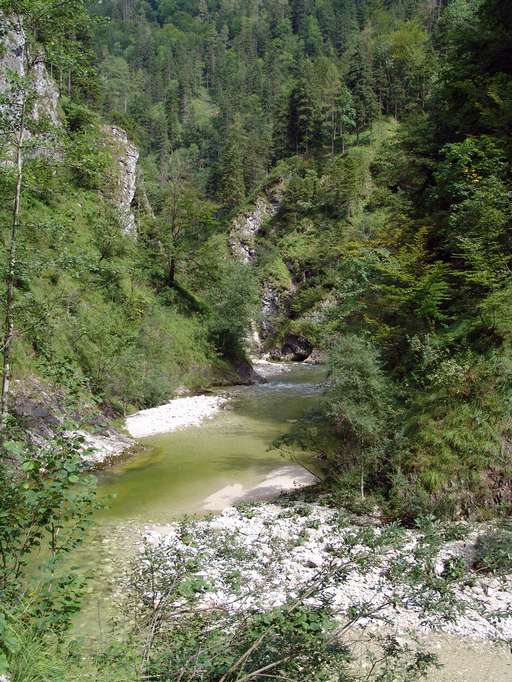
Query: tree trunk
(171, 276)
(333, 133)
(11, 268)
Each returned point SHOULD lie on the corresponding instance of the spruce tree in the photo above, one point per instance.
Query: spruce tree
(231, 182)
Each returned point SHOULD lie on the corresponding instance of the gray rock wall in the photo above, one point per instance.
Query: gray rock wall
(126, 157)
(247, 226)
(244, 233)
(12, 38)
(46, 104)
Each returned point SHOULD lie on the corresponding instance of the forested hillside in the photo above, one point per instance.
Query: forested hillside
(419, 331)
(380, 129)
(357, 151)
(153, 126)
(187, 184)
(234, 87)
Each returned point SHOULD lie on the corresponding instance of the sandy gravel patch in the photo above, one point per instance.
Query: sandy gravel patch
(174, 415)
(285, 479)
(275, 551)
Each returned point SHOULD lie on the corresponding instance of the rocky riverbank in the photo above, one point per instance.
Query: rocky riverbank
(176, 414)
(103, 448)
(266, 555)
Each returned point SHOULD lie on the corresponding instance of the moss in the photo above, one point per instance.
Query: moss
(275, 271)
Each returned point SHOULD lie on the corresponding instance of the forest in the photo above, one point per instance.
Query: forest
(188, 185)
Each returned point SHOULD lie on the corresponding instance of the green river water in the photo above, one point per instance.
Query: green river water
(180, 470)
(176, 474)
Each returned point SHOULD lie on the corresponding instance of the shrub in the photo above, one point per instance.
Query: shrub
(358, 403)
(494, 551)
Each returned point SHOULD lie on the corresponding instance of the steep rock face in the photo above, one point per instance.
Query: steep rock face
(11, 55)
(245, 230)
(270, 305)
(126, 157)
(247, 226)
(270, 333)
(43, 409)
(46, 105)
(47, 100)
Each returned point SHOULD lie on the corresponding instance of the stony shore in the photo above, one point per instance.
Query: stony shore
(262, 556)
(176, 414)
(287, 478)
(103, 448)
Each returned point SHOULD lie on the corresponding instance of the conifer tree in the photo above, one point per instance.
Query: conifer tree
(232, 189)
(361, 82)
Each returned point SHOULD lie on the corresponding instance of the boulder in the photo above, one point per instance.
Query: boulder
(296, 348)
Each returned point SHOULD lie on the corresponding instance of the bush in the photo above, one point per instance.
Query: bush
(494, 551)
(358, 403)
(233, 304)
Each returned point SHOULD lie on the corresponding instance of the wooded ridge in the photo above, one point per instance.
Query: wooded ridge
(186, 184)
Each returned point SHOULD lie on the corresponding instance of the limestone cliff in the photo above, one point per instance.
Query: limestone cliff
(246, 229)
(254, 240)
(248, 225)
(126, 157)
(12, 59)
(46, 108)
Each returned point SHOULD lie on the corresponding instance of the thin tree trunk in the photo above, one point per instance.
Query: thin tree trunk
(333, 134)
(171, 277)
(362, 481)
(11, 268)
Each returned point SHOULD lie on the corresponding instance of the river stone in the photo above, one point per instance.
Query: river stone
(296, 348)
(247, 374)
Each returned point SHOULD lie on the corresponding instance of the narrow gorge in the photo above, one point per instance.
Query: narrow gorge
(256, 341)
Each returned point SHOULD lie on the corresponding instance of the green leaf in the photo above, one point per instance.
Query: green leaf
(14, 447)
(4, 665)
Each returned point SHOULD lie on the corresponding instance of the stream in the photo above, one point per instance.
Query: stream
(195, 470)
(181, 472)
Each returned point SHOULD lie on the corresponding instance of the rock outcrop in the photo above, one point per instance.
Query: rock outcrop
(47, 96)
(11, 55)
(248, 225)
(43, 410)
(243, 237)
(46, 108)
(295, 348)
(13, 43)
(126, 157)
